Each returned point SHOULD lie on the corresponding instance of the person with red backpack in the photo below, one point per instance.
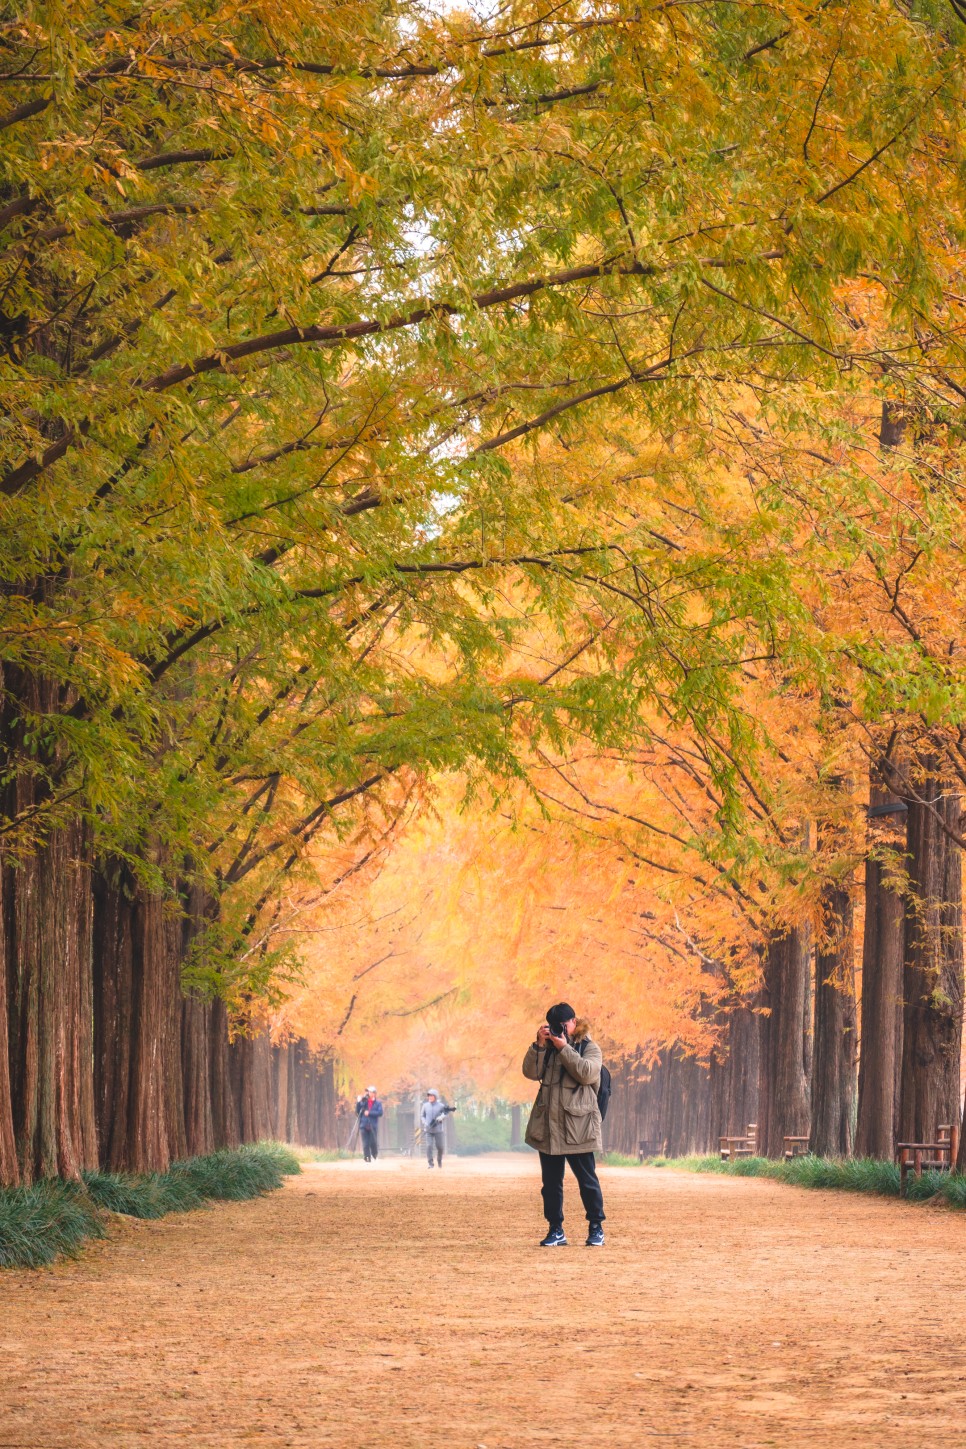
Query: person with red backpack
(565, 1122)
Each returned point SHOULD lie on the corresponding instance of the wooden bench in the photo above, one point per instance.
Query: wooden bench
(794, 1147)
(645, 1148)
(920, 1157)
(746, 1145)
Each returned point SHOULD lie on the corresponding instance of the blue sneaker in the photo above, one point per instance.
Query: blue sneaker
(595, 1237)
(554, 1239)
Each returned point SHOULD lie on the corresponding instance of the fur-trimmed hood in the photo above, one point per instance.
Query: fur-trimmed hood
(581, 1029)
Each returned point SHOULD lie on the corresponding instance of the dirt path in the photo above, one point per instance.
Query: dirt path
(388, 1306)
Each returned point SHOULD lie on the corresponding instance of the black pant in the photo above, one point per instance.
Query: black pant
(370, 1146)
(585, 1171)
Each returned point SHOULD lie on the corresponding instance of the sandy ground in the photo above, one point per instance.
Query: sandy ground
(386, 1307)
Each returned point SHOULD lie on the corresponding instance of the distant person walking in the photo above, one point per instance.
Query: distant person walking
(432, 1119)
(565, 1122)
(368, 1111)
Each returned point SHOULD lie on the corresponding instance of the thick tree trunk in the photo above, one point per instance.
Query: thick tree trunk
(139, 955)
(196, 1067)
(9, 1170)
(280, 1080)
(330, 1104)
(224, 1113)
(251, 1077)
(880, 1037)
(48, 966)
(291, 1133)
(783, 1095)
(833, 1065)
(933, 965)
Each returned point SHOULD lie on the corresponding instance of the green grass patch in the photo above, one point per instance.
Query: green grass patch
(621, 1159)
(49, 1220)
(321, 1154)
(859, 1174)
(54, 1219)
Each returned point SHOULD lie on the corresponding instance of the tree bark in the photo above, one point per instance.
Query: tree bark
(196, 1068)
(833, 1065)
(933, 963)
(47, 949)
(280, 1081)
(251, 1075)
(140, 952)
(47, 958)
(880, 1053)
(783, 1084)
(224, 1113)
(9, 1170)
(735, 1069)
(686, 1105)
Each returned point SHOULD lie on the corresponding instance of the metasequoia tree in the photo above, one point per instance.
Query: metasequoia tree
(882, 951)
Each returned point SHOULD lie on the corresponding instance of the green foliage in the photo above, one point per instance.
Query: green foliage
(860, 1174)
(52, 1219)
(478, 1134)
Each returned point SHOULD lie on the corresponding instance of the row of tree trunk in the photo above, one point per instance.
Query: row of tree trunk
(103, 1061)
(792, 1059)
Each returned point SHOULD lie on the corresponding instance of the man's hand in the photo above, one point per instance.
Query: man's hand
(558, 1041)
(542, 1033)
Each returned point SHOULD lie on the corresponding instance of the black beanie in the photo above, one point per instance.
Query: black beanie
(558, 1014)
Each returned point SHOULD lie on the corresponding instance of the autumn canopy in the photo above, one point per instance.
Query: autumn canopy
(481, 519)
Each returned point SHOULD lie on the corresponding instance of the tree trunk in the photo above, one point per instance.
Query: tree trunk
(833, 1066)
(933, 964)
(48, 968)
(734, 1074)
(47, 960)
(291, 1132)
(224, 1113)
(686, 1105)
(280, 1080)
(783, 1095)
(196, 1068)
(9, 1170)
(251, 1076)
(880, 1053)
(140, 951)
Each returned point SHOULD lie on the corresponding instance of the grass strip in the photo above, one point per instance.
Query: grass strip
(53, 1219)
(857, 1174)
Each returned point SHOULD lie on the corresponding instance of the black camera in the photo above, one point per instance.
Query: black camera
(555, 1022)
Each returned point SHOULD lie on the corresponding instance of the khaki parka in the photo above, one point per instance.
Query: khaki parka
(565, 1117)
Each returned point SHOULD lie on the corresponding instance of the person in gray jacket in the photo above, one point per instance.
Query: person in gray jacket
(432, 1119)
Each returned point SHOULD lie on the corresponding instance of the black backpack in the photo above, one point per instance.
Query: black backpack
(603, 1084)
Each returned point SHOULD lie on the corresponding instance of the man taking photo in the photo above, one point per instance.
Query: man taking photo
(565, 1123)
